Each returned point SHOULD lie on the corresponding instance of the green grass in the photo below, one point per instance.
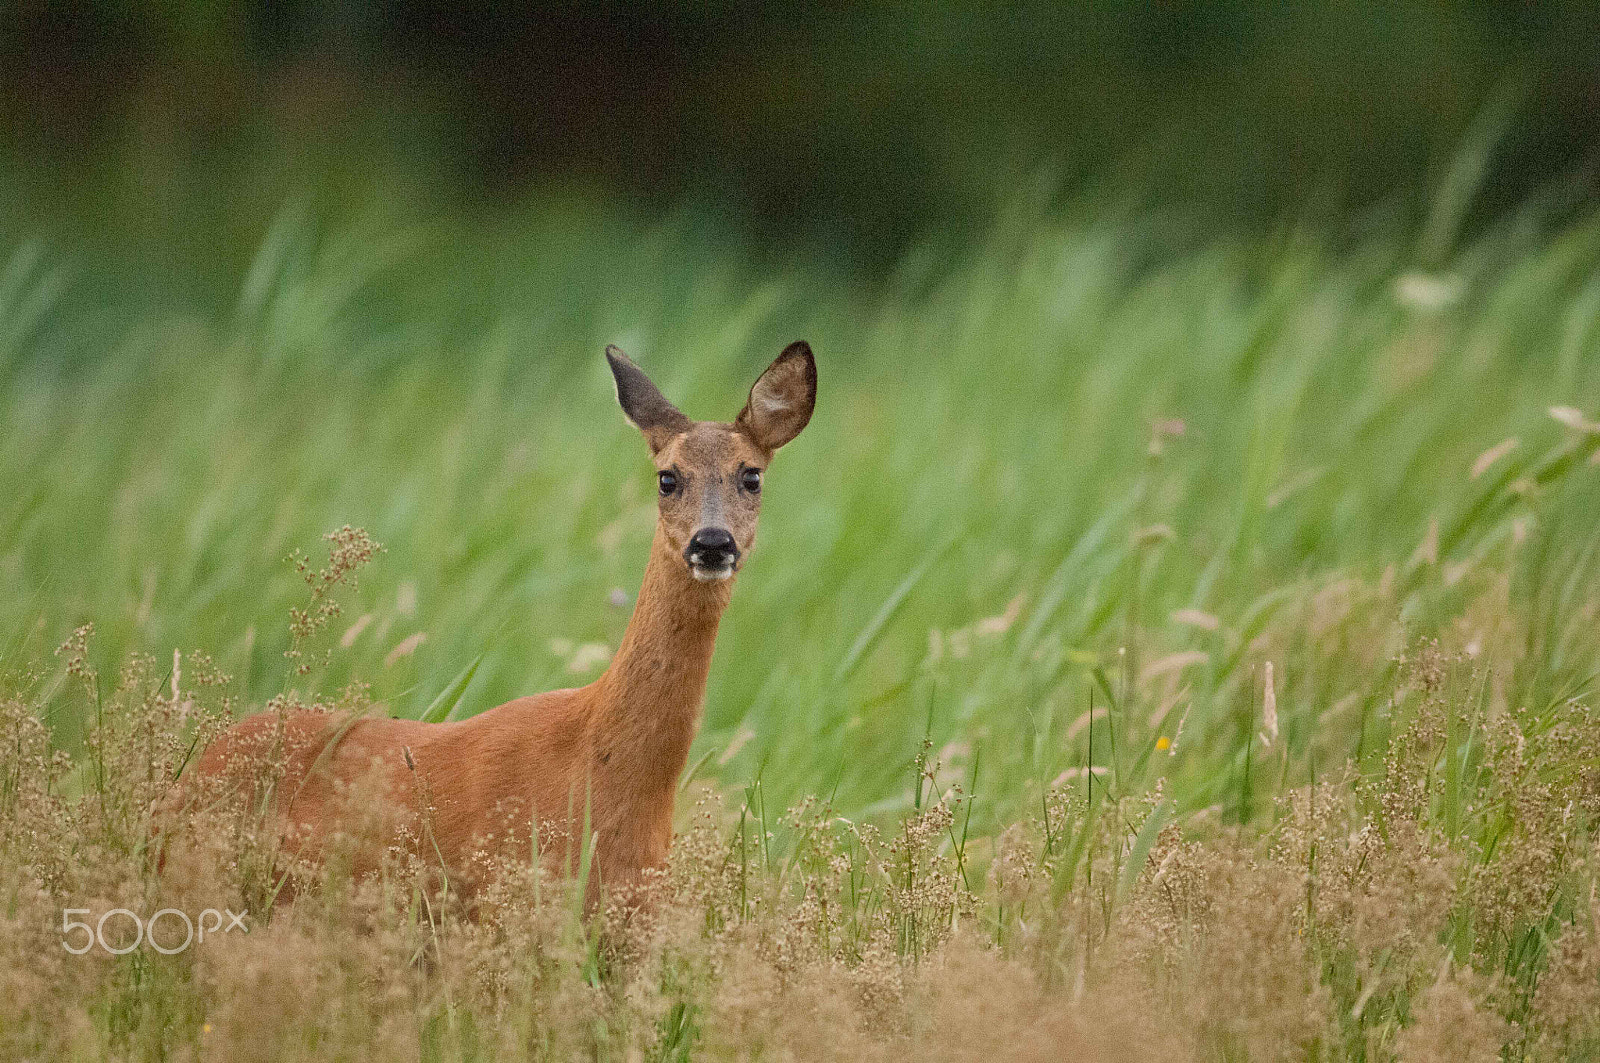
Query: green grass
(983, 436)
(1082, 463)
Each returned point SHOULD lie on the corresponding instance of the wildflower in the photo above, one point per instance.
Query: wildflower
(1492, 455)
(1422, 291)
(1269, 708)
(1196, 618)
(1172, 427)
(1172, 662)
(1574, 418)
(354, 631)
(1427, 552)
(589, 656)
(404, 648)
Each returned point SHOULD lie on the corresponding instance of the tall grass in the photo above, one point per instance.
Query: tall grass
(1079, 501)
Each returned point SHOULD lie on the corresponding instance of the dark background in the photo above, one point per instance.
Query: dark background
(856, 128)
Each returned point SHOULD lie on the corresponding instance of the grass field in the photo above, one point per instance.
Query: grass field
(1188, 642)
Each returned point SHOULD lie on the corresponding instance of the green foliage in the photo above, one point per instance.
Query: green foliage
(1259, 579)
(1071, 456)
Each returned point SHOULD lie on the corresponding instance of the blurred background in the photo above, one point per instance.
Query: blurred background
(1157, 343)
(849, 129)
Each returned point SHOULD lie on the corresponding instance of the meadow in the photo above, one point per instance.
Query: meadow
(1160, 642)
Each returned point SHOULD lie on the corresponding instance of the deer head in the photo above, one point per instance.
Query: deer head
(709, 473)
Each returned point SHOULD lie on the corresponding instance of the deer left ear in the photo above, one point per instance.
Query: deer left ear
(781, 401)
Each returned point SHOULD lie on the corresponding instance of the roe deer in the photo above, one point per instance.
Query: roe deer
(619, 744)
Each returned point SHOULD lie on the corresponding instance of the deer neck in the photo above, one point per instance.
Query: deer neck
(649, 699)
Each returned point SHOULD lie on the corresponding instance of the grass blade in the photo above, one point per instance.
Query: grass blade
(1143, 842)
(449, 700)
(875, 627)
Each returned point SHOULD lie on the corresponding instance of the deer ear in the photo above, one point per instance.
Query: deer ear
(782, 399)
(642, 402)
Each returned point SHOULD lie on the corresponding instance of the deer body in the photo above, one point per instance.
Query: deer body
(616, 747)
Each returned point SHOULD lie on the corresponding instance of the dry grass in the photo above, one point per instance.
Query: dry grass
(1191, 648)
(1368, 917)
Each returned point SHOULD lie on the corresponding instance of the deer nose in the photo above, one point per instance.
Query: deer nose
(712, 548)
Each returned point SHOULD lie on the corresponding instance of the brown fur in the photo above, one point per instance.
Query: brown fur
(617, 745)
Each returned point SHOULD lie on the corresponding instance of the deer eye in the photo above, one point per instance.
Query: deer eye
(668, 481)
(750, 480)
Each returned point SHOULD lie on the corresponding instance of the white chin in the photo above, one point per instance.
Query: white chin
(710, 575)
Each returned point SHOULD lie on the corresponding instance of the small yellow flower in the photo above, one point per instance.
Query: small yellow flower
(1163, 742)
(206, 1028)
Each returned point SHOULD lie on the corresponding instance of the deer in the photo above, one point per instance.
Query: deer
(609, 753)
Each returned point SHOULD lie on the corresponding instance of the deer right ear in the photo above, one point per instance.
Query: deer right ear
(642, 402)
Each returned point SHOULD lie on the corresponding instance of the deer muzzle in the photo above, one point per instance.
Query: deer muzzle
(712, 554)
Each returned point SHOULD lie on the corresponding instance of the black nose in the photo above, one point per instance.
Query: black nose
(712, 547)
